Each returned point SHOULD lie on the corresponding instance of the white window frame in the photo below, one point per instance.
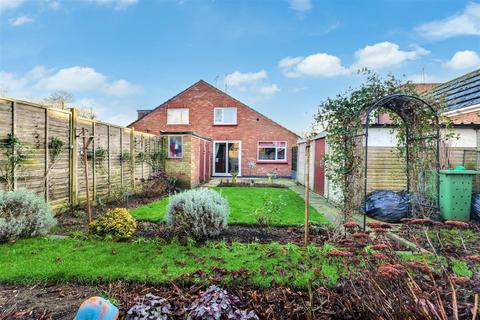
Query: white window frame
(219, 174)
(176, 109)
(276, 151)
(223, 110)
(168, 151)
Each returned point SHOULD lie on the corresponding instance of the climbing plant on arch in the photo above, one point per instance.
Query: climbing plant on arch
(343, 118)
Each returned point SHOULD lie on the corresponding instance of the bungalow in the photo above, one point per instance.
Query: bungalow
(241, 140)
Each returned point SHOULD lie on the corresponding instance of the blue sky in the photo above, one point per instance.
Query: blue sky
(280, 57)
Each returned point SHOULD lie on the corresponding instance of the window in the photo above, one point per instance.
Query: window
(272, 151)
(177, 116)
(175, 147)
(225, 116)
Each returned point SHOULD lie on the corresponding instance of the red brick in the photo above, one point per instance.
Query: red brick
(201, 99)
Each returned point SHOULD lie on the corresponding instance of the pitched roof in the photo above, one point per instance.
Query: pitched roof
(216, 89)
(460, 92)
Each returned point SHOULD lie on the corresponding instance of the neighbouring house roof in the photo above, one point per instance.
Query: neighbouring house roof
(212, 87)
(459, 93)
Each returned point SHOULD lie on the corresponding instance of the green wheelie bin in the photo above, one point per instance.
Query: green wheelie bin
(456, 193)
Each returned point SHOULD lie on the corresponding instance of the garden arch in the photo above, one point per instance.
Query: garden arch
(405, 106)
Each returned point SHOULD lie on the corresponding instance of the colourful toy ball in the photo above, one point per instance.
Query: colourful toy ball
(97, 308)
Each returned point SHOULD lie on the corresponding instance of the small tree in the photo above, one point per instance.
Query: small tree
(59, 99)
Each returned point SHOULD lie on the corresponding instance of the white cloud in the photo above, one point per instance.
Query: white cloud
(41, 81)
(385, 54)
(37, 73)
(116, 4)
(269, 89)
(237, 78)
(52, 4)
(74, 79)
(86, 79)
(122, 88)
(376, 56)
(300, 5)
(10, 4)
(463, 24)
(321, 64)
(316, 65)
(11, 84)
(464, 60)
(20, 21)
(254, 84)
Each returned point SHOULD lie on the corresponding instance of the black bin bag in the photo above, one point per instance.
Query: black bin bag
(386, 205)
(475, 213)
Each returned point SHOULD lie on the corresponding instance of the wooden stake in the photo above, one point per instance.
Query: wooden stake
(307, 189)
(475, 306)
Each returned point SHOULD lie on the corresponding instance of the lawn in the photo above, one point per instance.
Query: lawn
(47, 259)
(243, 202)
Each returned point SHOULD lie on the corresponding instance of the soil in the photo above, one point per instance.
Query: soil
(445, 239)
(61, 301)
(366, 297)
(244, 233)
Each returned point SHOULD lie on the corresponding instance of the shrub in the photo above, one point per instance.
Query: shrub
(116, 224)
(150, 307)
(217, 303)
(200, 213)
(23, 214)
(270, 208)
(158, 184)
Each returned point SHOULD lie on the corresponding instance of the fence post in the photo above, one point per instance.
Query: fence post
(14, 176)
(73, 161)
(132, 157)
(94, 172)
(46, 156)
(144, 154)
(121, 158)
(109, 178)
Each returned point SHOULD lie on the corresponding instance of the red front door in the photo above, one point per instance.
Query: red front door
(319, 175)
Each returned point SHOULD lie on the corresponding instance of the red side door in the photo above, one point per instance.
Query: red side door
(208, 162)
(319, 175)
(201, 175)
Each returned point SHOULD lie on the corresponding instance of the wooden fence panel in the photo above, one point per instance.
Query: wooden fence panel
(88, 126)
(386, 169)
(101, 166)
(115, 163)
(58, 177)
(30, 129)
(127, 158)
(61, 180)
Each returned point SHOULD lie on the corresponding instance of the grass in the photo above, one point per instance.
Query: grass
(154, 211)
(243, 202)
(47, 259)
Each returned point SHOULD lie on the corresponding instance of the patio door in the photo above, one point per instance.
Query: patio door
(226, 158)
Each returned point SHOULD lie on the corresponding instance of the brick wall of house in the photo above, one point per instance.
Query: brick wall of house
(180, 168)
(195, 161)
(470, 117)
(201, 99)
